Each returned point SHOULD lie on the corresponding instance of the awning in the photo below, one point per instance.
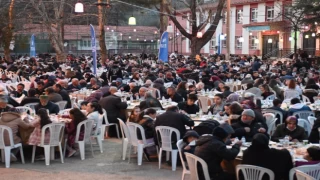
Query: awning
(258, 28)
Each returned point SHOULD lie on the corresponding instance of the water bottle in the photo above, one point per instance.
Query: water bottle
(209, 114)
(131, 99)
(243, 139)
(207, 91)
(286, 141)
(163, 99)
(137, 97)
(200, 112)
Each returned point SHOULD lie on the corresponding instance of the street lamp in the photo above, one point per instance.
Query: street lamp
(132, 21)
(313, 34)
(79, 8)
(307, 36)
(199, 35)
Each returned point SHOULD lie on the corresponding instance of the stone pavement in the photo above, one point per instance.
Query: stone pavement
(108, 165)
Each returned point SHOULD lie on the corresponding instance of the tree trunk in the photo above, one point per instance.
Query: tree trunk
(9, 33)
(195, 46)
(163, 19)
(102, 43)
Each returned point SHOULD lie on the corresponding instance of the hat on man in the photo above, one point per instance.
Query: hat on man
(227, 128)
(220, 133)
(190, 133)
(248, 94)
(248, 112)
(119, 80)
(248, 76)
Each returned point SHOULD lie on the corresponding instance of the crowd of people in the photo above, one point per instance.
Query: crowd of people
(182, 80)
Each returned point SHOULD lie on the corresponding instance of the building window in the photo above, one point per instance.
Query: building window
(84, 43)
(270, 13)
(253, 43)
(224, 19)
(238, 42)
(212, 18)
(254, 14)
(239, 16)
(224, 43)
(80, 43)
(213, 43)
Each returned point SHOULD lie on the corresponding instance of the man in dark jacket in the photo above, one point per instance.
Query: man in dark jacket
(248, 126)
(277, 106)
(314, 135)
(173, 118)
(212, 149)
(114, 108)
(64, 94)
(175, 97)
(189, 106)
(115, 71)
(31, 98)
(45, 103)
(259, 154)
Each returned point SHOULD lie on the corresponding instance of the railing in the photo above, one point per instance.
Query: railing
(273, 53)
(285, 53)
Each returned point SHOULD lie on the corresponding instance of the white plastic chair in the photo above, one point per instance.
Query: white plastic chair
(140, 144)
(275, 112)
(125, 138)
(271, 122)
(185, 170)
(166, 144)
(107, 124)
(305, 99)
(244, 86)
(96, 135)
(312, 170)
(6, 149)
(305, 124)
(193, 166)
(192, 81)
(303, 176)
(253, 172)
(65, 111)
(32, 106)
(56, 131)
(24, 109)
(87, 125)
(271, 97)
(311, 120)
(62, 104)
(304, 114)
(203, 102)
(290, 94)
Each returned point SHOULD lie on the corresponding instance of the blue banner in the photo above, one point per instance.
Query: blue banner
(163, 50)
(94, 49)
(32, 47)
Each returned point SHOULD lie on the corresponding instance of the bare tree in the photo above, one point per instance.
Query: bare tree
(7, 28)
(194, 7)
(295, 16)
(52, 16)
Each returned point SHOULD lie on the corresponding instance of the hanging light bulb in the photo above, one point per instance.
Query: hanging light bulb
(132, 21)
(199, 35)
(79, 8)
(290, 38)
(313, 34)
(269, 40)
(241, 39)
(315, 23)
(256, 41)
(250, 33)
(307, 36)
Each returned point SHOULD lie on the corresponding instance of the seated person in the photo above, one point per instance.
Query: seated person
(265, 91)
(134, 114)
(31, 98)
(146, 119)
(94, 111)
(297, 106)
(259, 154)
(248, 126)
(83, 105)
(212, 149)
(150, 101)
(192, 89)
(43, 119)
(94, 84)
(52, 95)
(314, 135)
(45, 103)
(74, 86)
(312, 155)
(218, 104)
(226, 91)
(20, 91)
(171, 93)
(277, 106)
(290, 128)
(189, 106)
(189, 140)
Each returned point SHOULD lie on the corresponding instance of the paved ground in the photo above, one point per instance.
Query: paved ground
(108, 165)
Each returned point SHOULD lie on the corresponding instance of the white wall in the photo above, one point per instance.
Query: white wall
(261, 12)
(245, 33)
(232, 30)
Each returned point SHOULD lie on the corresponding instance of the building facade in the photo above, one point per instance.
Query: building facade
(257, 27)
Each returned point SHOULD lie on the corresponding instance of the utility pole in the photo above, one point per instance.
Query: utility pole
(228, 30)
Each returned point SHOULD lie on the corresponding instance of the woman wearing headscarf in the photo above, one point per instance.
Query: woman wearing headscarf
(290, 128)
(259, 154)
